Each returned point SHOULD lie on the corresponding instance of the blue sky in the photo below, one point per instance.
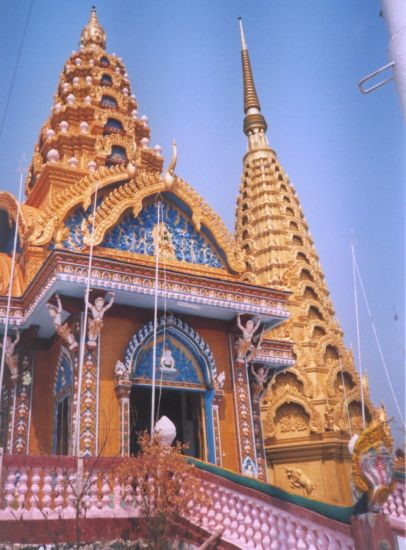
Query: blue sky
(344, 152)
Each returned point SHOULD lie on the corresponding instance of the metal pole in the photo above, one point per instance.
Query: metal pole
(394, 13)
(155, 324)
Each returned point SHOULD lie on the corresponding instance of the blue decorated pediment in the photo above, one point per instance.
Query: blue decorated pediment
(177, 237)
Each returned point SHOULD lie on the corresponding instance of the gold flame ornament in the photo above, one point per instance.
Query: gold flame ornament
(169, 176)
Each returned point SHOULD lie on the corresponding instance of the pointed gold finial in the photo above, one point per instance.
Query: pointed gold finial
(243, 42)
(169, 176)
(252, 108)
(93, 33)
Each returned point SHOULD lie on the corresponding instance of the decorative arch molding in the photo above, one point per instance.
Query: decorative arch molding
(334, 338)
(103, 116)
(336, 342)
(79, 193)
(29, 216)
(100, 91)
(335, 374)
(302, 377)
(308, 303)
(346, 367)
(130, 194)
(296, 266)
(194, 343)
(315, 422)
(340, 411)
(105, 143)
(310, 327)
(186, 335)
(331, 336)
(355, 395)
(99, 71)
(318, 290)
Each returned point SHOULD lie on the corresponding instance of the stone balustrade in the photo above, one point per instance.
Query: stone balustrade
(260, 524)
(60, 488)
(39, 488)
(395, 507)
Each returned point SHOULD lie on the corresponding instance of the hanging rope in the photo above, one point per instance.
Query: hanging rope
(10, 285)
(157, 243)
(76, 439)
(358, 334)
(378, 342)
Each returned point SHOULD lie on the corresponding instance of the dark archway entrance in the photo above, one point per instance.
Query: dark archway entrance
(185, 409)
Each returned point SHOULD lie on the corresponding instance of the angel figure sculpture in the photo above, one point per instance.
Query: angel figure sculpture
(11, 356)
(260, 381)
(245, 344)
(98, 310)
(63, 330)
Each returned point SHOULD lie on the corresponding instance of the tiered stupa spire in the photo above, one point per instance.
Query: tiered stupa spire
(273, 234)
(94, 122)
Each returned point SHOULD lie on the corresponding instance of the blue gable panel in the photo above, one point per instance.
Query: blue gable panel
(179, 238)
(137, 235)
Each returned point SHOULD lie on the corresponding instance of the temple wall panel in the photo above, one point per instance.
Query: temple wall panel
(119, 327)
(42, 401)
(218, 342)
(323, 476)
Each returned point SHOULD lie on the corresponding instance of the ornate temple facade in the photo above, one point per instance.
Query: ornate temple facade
(236, 334)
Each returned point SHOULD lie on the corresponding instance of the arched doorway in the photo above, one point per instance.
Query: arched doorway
(185, 388)
(184, 407)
